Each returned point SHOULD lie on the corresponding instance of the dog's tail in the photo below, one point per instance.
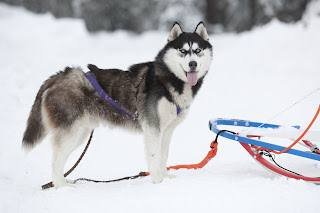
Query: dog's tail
(35, 130)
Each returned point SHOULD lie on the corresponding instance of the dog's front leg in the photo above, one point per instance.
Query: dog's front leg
(166, 139)
(152, 140)
(165, 144)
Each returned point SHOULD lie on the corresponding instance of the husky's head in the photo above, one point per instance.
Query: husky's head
(187, 55)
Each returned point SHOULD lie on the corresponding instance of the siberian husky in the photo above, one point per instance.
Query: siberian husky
(159, 93)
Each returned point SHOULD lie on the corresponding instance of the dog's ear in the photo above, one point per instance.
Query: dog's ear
(202, 31)
(175, 32)
(92, 67)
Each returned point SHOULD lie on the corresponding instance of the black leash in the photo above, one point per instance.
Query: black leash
(141, 174)
(221, 131)
(271, 157)
(50, 185)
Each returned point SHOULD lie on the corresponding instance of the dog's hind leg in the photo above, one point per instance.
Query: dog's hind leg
(64, 142)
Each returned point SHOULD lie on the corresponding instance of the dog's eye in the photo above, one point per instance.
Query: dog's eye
(183, 51)
(198, 50)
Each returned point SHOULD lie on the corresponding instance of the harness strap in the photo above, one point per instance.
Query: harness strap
(178, 109)
(105, 96)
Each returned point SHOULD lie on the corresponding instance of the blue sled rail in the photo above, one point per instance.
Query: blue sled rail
(213, 125)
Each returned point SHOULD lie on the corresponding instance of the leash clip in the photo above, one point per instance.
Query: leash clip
(135, 115)
(214, 144)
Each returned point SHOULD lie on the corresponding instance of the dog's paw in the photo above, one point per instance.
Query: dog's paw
(157, 179)
(70, 181)
(166, 175)
(170, 176)
(60, 184)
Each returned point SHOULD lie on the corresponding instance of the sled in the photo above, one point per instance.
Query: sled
(257, 148)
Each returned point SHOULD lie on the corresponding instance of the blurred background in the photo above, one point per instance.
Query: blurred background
(142, 15)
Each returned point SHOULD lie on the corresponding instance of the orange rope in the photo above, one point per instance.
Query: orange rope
(298, 139)
(211, 154)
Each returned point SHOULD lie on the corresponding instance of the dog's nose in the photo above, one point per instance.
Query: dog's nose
(193, 65)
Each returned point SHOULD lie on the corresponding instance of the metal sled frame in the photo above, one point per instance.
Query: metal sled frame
(247, 143)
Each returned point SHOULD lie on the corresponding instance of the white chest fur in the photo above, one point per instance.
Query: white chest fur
(185, 98)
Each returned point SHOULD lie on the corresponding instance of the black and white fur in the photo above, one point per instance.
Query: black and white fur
(68, 107)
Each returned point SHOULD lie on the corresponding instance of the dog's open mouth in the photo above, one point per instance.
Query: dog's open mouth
(192, 77)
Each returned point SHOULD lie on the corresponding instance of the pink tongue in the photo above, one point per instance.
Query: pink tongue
(192, 78)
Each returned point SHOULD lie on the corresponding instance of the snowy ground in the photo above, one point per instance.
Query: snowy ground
(254, 76)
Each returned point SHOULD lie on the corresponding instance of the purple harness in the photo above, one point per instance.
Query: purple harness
(105, 96)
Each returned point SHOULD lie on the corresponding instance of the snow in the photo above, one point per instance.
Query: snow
(254, 75)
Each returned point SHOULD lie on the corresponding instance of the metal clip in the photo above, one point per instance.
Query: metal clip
(314, 148)
(135, 116)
